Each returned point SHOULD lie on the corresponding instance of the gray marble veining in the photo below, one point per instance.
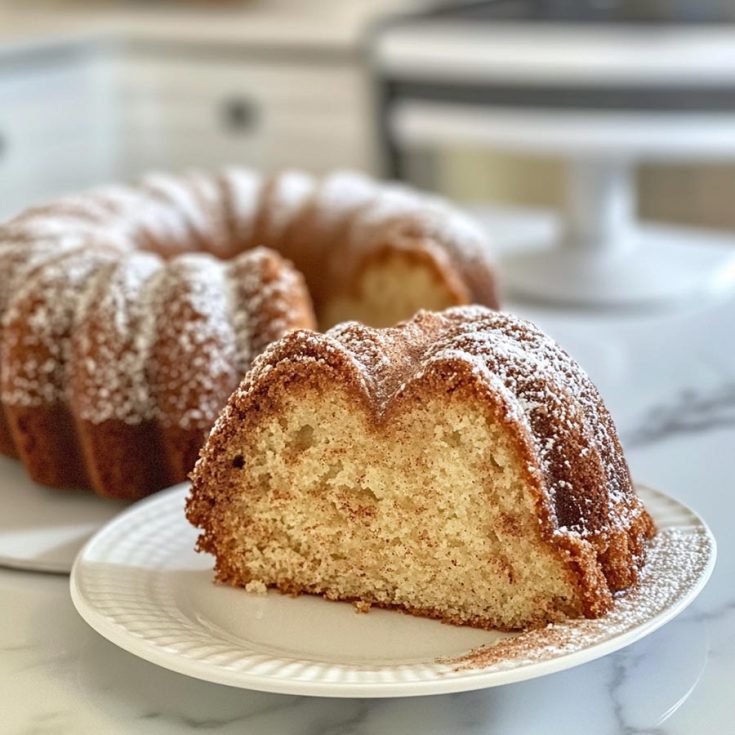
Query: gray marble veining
(689, 411)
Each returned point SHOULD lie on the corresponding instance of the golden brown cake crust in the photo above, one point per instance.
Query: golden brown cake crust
(585, 502)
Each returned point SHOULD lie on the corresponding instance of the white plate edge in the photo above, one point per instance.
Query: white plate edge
(469, 681)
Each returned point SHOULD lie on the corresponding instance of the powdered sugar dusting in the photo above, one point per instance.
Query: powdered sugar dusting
(193, 358)
(131, 338)
(677, 560)
(19, 259)
(559, 402)
(400, 214)
(319, 225)
(393, 201)
(550, 395)
(37, 329)
(261, 298)
(112, 343)
(241, 193)
(216, 230)
(183, 199)
(160, 228)
(339, 194)
(286, 194)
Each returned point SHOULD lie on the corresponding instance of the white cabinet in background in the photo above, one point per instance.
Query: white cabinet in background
(81, 117)
(187, 112)
(57, 129)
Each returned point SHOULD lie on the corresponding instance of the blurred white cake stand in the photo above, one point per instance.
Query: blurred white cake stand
(43, 529)
(444, 77)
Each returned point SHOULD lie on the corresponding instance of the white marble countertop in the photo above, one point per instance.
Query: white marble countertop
(669, 380)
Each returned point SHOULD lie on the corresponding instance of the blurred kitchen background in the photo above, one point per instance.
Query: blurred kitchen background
(604, 111)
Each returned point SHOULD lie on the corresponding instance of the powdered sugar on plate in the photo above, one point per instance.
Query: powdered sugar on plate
(677, 561)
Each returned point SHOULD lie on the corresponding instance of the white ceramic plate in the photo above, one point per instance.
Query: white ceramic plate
(140, 584)
(43, 529)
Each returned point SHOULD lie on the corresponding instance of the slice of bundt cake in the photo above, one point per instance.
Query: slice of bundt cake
(459, 466)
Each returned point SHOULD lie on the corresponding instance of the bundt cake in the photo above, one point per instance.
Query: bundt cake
(128, 314)
(459, 466)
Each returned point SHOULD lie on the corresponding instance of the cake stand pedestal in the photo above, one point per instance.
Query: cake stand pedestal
(604, 258)
(603, 97)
